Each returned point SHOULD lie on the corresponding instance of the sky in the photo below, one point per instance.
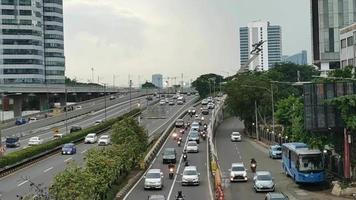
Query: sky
(137, 38)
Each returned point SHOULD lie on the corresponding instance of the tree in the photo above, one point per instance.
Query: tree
(148, 85)
(205, 84)
(346, 72)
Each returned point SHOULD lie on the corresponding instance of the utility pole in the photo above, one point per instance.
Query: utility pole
(182, 85)
(272, 108)
(105, 99)
(92, 75)
(257, 135)
(130, 82)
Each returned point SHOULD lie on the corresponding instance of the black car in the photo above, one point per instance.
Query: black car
(149, 98)
(179, 123)
(75, 129)
(169, 155)
(205, 111)
(12, 142)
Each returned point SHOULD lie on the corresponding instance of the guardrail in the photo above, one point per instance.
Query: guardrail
(29, 161)
(216, 119)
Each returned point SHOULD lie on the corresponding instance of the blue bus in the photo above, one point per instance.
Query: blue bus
(303, 164)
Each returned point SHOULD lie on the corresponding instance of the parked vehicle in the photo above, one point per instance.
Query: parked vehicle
(303, 164)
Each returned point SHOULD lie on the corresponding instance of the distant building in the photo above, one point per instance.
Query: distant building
(299, 58)
(328, 17)
(31, 44)
(348, 45)
(157, 80)
(271, 50)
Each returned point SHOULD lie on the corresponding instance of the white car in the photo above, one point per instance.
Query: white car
(35, 141)
(153, 179)
(91, 138)
(235, 136)
(190, 176)
(162, 102)
(32, 119)
(192, 146)
(195, 126)
(104, 140)
(238, 172)
(97, 122)
(211, 105)
(78, 107)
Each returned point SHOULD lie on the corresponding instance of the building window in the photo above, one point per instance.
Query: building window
(9, 21)
(8, 12)
(350, 41)
(351, 62)
(343, 43)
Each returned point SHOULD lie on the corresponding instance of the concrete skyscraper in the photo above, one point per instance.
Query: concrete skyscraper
(271, 50)
(32, 50)
(328, 17)
(157, 80)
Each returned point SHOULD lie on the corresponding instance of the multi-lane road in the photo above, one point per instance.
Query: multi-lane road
(43, 171)
(230, 152)
(172, 186)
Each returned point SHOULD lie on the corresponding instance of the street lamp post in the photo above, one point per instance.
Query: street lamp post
(66, 108)
(130, 85)
(105, 99)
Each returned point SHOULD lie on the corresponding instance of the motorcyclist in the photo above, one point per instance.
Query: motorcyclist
(253, 161)
(253, 165)
(180, 196)
(185, 156)
(186, 164)
(171, 166)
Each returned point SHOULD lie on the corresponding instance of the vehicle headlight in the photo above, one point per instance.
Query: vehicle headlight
(245, 174)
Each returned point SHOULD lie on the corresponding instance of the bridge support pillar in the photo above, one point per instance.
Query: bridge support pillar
(18, 101)
(44, 102)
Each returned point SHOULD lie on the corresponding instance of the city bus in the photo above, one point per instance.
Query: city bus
(302, 164)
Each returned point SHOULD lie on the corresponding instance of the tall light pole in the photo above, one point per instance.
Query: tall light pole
(92, 75)
(257, 134)
(105, 99)
(66, 108)
(130, 85)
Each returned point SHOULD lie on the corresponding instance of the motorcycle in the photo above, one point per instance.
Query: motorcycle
(205, 127)
(175, 135)
(179, 143)
(179, 196)
(204, 136)
(253, 167)
(185, 157)
(171, 172)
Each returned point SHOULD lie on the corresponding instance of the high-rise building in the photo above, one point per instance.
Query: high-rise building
(299, 58)
(348, 45)
(32, 47)
(157, 80)
(328, 17)
(271, 50)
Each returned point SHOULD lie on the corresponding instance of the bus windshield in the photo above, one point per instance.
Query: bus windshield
(308, 163)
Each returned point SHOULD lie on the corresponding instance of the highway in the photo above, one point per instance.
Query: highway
(229, 152)
(43, 171)
(46, 133)
(171, 187)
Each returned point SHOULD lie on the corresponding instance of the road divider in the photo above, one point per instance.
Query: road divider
(24, 157)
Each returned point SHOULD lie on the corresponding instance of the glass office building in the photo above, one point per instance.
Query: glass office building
(32, 47)
(328, 17)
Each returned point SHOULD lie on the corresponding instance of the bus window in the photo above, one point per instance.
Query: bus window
(310, 163)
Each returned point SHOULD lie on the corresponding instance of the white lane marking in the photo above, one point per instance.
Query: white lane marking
(22, 183)
(208, 170)
(175, 177)
(84, 151)
(47, 170)
(68, 159)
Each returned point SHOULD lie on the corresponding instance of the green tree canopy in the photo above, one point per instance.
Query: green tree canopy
(204, 84)
(148, 85)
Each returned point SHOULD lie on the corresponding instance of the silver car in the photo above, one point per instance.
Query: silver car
(238, 172)
(192, 146)
(263, 182)
(190, 176)
(153, 179)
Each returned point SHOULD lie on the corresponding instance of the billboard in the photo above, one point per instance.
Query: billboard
(318, 115)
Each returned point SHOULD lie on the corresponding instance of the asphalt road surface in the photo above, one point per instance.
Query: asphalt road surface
(171, 187)
(44, 171)
(229, 152)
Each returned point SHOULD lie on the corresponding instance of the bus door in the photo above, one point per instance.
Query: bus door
(289, 159)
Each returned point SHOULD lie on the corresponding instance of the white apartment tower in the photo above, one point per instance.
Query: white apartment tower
(271, 50)
(32, 47)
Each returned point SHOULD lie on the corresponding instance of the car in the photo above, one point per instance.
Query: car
(20, 121)
(12, 141)
(104, 140)
(181, 98)
(69, 149)
(195, 126)
(57, 136)
(192, 146)
(91, 138)
(188, 93)
(75, 128)
(211, 105)
(238, 172)
(35, 141)
(156, 197)
(112, 97)
(97, 122)
(175, 97)
(171, 103)
(180, 102)
(190, 176)
(149, 98)
(235, 136)
(276, 196)
(169, 155)
(153, 179)
(166, 100)
(162, 102)
(32, 119)
(204, 102)
(78, 107)
(194, 136)
(179, 123)
(275, 151)
(192, 111)
(197, 118)
(263, 182)
(205, 111)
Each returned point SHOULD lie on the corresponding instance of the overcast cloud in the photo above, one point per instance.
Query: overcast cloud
(142, 37)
